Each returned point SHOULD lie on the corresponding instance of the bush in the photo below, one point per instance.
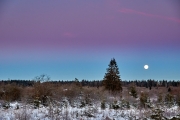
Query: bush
(42, 91)
(36, 103)
(133, 91)
(11, 92)
(6, 105)
(160, 98)
(103, 105)
(143, 98)
(125, 104)
(158, 115)
(168, 98)
(178, 100)
(115, 105)
(22, 115)
(82, 104)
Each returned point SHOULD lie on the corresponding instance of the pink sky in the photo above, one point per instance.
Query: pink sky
(89, 30)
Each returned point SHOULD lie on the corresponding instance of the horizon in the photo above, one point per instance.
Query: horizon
(80, 80)
(77, 39)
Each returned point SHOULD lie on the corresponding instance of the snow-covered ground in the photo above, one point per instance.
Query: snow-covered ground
(64, 111)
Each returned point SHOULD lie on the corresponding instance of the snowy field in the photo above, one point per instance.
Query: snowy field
(64, 111)
(45, 101)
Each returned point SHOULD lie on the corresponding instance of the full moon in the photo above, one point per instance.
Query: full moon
(146, 67)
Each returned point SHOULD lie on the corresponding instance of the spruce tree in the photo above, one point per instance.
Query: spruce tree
(112, 81)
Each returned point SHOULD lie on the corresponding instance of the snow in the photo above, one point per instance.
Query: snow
(94, 112)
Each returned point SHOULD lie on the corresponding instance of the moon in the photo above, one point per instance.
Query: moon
(146, 67)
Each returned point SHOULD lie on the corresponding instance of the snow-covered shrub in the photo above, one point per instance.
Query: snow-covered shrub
(22, 114)
(103, 105)
(54, 112)
(125, 104)
(82, 104)
(72, 93)
(115, 105)
(6, 105)
(176, 118)
(157, 114)
(17, 107)
(36, 103)
(90, 112)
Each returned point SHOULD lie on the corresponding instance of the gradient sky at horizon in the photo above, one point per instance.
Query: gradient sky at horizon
(69, 39)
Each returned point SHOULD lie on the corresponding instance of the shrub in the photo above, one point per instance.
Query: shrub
(11, 92)
(42, 91)
(133, 91)
(36, 103)
(178, 100)
(6, 105)
(82, 104)
(115, 105)
(160, 98)
(158, 115)
(125, 104)
(168, 98)
(103, 105)
(143, 98)
(22, 115)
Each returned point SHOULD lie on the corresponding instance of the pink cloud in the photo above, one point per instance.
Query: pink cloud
(125, 10)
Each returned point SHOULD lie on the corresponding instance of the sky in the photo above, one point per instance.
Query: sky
(70, 39)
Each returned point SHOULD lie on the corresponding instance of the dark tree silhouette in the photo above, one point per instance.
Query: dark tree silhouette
(112, 81)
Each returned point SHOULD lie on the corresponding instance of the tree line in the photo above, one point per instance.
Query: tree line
(98, 83)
